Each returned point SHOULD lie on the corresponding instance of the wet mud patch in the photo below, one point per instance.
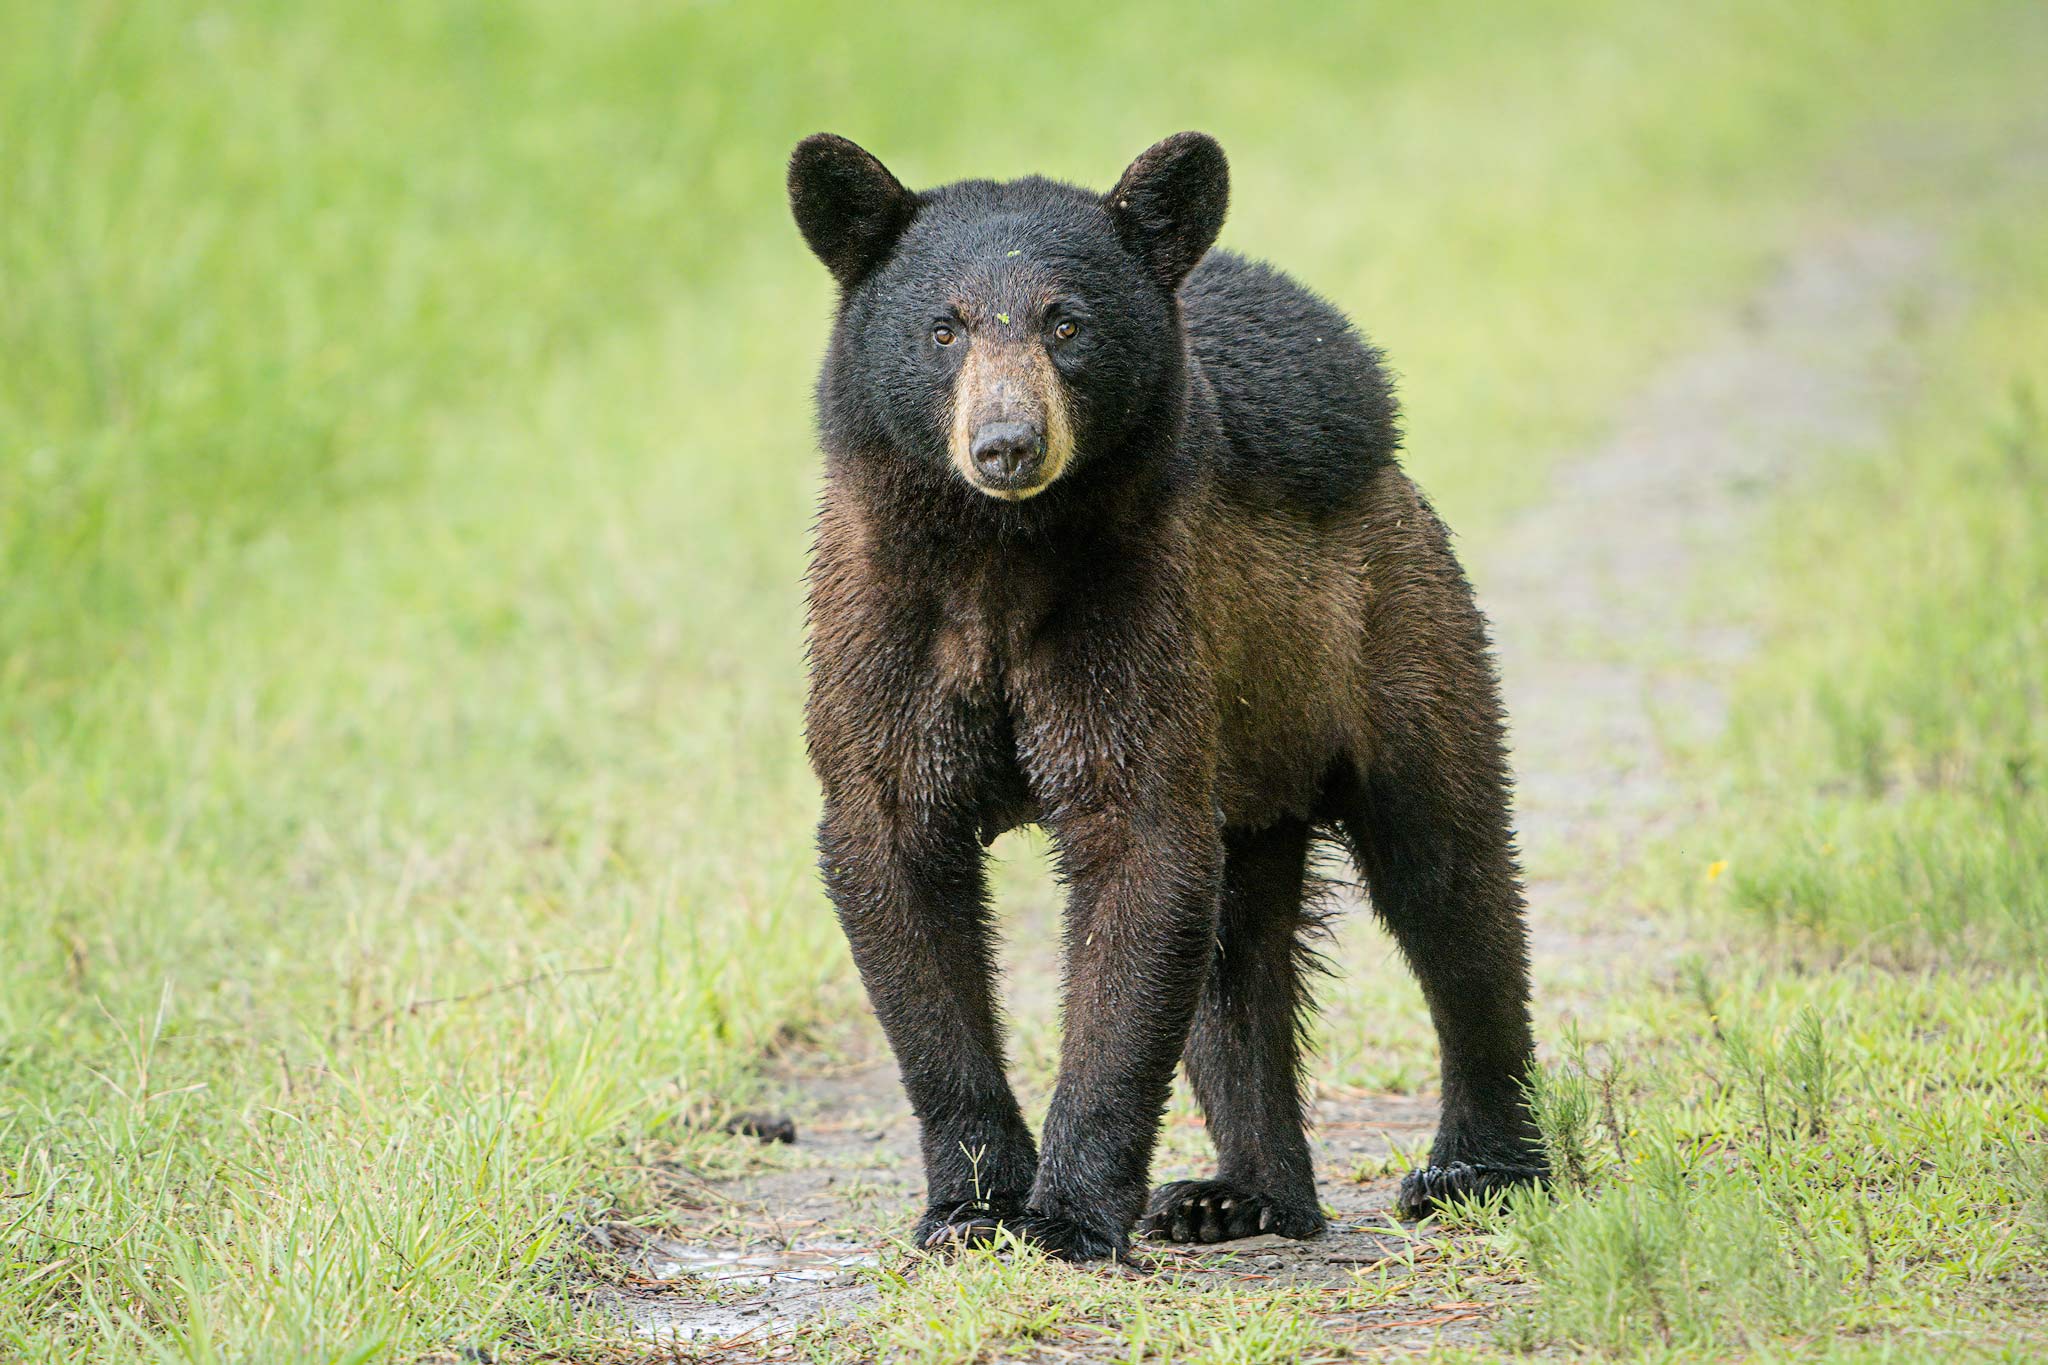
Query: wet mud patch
(683, 1292)
(829, 1170)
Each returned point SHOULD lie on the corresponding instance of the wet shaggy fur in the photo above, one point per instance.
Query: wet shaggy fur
(1227, 626)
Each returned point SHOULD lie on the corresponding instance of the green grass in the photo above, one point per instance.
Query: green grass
(1902, 727)
(1784, 1160)
(403, 478)
(978, 1307)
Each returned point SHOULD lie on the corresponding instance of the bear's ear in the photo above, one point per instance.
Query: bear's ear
(1169, 205)
(848, 206)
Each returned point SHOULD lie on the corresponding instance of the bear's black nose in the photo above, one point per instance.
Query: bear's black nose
(1007, 453)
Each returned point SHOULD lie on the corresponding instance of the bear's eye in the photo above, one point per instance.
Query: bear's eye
(944, 334)
(1067, 330)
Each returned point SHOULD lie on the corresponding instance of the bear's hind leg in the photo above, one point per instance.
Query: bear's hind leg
(1243, 1056)
(1428, 826)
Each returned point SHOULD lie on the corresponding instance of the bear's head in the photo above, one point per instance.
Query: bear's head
(1007, 334)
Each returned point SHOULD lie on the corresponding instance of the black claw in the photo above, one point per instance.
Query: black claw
(1425, 1191)
(1061, 1238)
(943, 1218)
(1208, 1211)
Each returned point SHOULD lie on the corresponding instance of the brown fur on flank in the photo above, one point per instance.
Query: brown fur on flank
(1218, 624)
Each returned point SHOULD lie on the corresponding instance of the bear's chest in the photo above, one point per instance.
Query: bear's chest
(984, 624)
(985, 634)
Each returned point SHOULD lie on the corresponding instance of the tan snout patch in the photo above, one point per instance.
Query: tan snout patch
(1010, 381)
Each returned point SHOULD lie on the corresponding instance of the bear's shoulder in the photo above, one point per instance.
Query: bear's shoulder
(1305, 405)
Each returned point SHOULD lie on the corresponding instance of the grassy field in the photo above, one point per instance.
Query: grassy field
(1833, 1140)
(404, 472)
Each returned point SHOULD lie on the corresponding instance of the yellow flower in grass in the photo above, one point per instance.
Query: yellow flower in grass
(1716, 868)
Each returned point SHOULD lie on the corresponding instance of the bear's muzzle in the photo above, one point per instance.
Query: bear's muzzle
(1011, 434)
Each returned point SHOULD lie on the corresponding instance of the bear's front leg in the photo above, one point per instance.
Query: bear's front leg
(914, 907)
(1141, 929)
(1141, 926)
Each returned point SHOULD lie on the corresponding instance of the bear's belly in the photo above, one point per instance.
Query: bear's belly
(1258, 789)
(998, 819)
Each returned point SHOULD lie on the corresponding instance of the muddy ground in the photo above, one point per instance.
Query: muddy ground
(1595, 595)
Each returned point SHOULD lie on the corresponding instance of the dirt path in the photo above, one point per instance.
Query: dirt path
(1593, 596)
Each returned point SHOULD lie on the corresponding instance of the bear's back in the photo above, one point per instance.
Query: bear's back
(1307, 411)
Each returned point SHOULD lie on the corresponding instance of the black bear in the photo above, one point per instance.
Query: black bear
(1112, 539)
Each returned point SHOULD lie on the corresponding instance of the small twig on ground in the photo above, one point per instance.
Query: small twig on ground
(1396, 1323)
(415, 1006)
(1869, 1248)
